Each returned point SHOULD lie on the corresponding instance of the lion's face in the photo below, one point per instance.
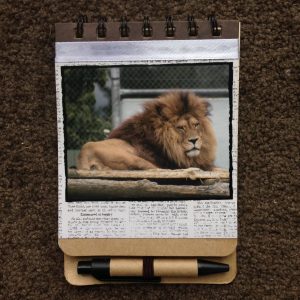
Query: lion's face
(189, 135)
(183, 129)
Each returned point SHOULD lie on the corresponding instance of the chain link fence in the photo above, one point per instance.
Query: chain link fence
(92, 95)
(175, 77)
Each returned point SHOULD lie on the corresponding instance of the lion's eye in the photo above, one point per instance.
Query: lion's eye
(181, 128)
(196, 125)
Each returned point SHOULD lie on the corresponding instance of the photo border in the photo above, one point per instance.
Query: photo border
(230, 99)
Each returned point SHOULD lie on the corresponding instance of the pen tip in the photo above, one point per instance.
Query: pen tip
(209, 267)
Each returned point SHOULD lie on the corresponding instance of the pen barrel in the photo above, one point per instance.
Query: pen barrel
(162, 267)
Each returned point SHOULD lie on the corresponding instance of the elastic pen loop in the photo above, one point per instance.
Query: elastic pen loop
(148, 267)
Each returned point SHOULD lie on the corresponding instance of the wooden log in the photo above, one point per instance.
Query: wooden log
(191, 173)
(100, 189)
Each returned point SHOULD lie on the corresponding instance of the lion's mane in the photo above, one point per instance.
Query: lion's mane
(152, 134)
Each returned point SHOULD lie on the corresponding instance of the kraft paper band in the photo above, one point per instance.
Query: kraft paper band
(186, 267)
(158, 267)
(126, 267)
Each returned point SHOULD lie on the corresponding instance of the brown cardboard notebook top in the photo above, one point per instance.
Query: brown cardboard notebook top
(148, 247)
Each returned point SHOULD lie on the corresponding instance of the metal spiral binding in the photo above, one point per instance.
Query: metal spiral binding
(79, 27)
(192, 26)
(147, 28)
(124, 29)
(215, 28)
(101, 27)
(170, 28)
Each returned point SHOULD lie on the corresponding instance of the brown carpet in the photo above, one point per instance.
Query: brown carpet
(31, 262)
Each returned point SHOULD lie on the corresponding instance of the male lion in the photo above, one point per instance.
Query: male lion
(172, 132)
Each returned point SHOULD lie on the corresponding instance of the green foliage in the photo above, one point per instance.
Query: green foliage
(83, 122)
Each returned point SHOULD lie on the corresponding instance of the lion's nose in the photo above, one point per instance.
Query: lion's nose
(193, 141)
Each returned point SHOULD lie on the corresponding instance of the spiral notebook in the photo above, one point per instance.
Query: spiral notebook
(147, 116)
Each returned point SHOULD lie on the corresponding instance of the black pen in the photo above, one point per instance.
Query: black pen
(148, 269)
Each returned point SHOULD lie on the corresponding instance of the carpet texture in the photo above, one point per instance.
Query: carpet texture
(268, 251)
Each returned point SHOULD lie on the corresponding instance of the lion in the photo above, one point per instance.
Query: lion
(173, 132)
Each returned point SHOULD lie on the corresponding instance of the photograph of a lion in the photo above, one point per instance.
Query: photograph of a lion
(174, 131)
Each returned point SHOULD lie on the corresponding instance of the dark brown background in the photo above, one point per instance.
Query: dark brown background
(32, 264)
